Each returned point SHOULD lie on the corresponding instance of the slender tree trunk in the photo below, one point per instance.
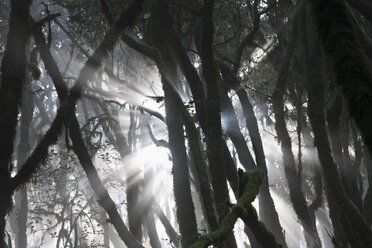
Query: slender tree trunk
(201, 174)
(182, 192)
(79, 147)
(24, 147)
(367, 203)
(172, 234)
(268, 213)
(231, 127)
(185, 209)
(215, 142)
(290, 170)
(150, 220)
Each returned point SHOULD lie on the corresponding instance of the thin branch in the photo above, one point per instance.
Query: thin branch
(161, 142)
(249, 39)
(67, 109)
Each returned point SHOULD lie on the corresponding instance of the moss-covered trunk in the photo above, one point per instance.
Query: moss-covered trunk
(182, 192)
(268, 213)
(352, 71)
(357, 229)
(215, 142)
(249, 185)
(185, 207)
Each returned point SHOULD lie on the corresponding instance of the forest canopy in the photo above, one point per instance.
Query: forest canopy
(186, 123)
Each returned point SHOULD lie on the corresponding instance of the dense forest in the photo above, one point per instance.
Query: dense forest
(186, 123)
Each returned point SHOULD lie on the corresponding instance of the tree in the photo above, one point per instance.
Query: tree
(177, 115)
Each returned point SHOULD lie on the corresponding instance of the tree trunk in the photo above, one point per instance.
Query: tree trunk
(215, 142)
(290, 170)
(13, 75)
(181, 183)
(268, 213)
(172, 234)
(24, 148)
(367, 203)
(357, 229)
(80, 149)
(351, 69)
(149, 218)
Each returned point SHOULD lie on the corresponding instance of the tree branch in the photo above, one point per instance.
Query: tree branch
(67, 109)
(250, 183)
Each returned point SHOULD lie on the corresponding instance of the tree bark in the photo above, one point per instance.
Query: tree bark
(357, 229)
(290, 170)
(13, 75)
(351, 69)
(182, 192)
(215, 142)
(268, 213)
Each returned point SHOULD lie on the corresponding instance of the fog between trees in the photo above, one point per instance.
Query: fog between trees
(174, 123)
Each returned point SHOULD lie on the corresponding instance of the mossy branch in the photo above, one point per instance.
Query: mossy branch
(243, 209)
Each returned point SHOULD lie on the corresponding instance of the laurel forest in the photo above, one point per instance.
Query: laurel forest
(186, 123)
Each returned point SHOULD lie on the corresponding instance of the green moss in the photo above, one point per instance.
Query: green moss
(251, 182)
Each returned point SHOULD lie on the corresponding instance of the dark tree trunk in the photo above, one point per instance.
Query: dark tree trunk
(181, 182)
(215, 142)
(201, 173)
(367, 203)
(356, 227)
(352, 71)
(231, 127)
(172, 234)
(291, 172)
(13, 75)
(268, 213)
(182, 192)
(24, 148)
